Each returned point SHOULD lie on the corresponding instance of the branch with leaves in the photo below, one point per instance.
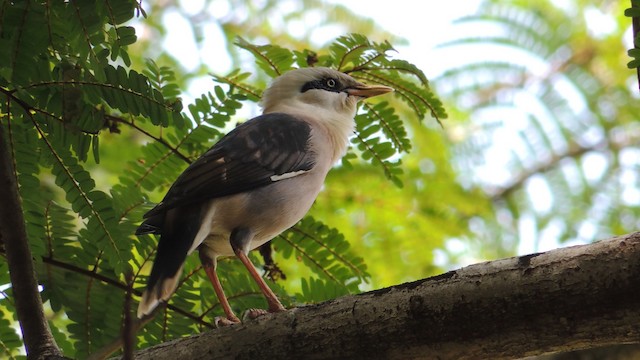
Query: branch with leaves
(634, 13)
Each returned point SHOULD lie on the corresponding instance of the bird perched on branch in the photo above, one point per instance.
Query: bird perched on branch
(257, 181)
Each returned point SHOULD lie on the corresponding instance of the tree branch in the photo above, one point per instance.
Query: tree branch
(148, 134)
(38, 340)
(566, 299)
(635, 24)
(575, 151)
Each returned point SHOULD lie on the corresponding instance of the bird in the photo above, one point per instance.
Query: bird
(257, 181)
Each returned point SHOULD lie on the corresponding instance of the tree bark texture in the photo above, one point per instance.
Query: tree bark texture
(566, 299)
(36, 334)
(612, 352)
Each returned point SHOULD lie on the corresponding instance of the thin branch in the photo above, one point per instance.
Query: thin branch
(100, 85)
(333, 253)
(83, 194)
(551, 163)
(10, 94)
(375, 155)
(117, 284)
(395, 139)
(84, 31)
(347, 53)
(38, 340)
(160, 140)
(243, 87)
(402, 91)
(312, 260)
(231, 298)
(635, 21)
(128, 328)
(19, 38)
(574, 152)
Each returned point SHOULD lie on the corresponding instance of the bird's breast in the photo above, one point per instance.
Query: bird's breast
(269, 210)
(266, 212)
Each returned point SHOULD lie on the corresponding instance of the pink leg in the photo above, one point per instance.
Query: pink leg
(217, 287)
(272, 300)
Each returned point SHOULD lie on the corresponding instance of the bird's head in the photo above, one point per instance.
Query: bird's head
(320, 90)
(323, 96)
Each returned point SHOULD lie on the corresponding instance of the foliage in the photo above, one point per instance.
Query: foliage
(98, 133)
(69, 86)
(571, 173)
(634, 13)
(379, 133)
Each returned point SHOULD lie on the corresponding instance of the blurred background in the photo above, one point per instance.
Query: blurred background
(540, 149)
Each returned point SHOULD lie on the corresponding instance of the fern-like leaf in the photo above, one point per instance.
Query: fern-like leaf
(236, 80)
(318, 290)
(272, 59)
(101, 230)
(10, 342)
(324, 250)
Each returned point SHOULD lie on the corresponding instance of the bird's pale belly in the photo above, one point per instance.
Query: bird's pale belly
(265, 212)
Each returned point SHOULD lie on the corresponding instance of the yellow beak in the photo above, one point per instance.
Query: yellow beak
(367, 91)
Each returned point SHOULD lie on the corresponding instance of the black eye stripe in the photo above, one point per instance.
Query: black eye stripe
(329, 84)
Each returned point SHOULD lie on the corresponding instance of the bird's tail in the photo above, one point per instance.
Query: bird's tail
(179, 227)
(151, 225)
(160, 292)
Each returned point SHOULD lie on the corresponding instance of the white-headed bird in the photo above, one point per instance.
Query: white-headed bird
(257, 181)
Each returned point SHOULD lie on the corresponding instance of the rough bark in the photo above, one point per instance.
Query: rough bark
(566, 299)
(613, 352)
(37, 337)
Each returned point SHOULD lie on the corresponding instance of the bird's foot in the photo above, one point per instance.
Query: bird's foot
(251, 314)
(223, 321)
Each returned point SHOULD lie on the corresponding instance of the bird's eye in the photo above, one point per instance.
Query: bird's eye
(331, 83)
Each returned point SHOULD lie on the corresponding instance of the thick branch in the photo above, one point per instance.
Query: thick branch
(38, 340)
(566, 299)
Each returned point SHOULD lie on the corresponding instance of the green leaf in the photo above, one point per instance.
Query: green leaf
(272, 59)
(632, 12)
(325, 251)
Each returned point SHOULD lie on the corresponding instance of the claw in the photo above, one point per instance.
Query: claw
(223, 321)
(251, 314)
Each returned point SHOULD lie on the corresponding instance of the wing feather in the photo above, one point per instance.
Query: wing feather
(252, 155)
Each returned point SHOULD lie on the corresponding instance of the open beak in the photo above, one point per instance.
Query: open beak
(367, 91)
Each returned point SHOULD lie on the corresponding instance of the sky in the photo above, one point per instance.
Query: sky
(424, 29)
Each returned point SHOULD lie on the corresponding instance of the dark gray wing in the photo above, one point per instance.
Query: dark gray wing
(253, 155)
